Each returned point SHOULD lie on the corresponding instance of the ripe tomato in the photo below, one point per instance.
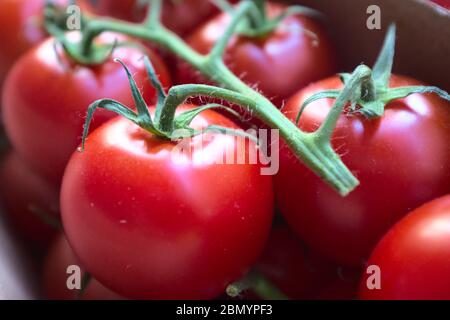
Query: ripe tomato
(279, 64)
(54, 278)
(443, 3)
(402, 160)
(47, 95)
(150, 227)
(22, 19)
(180, 16)
(23, 196)
(292, 267)
(124, 9)
(414, 256)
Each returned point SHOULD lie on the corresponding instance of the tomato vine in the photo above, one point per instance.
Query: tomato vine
(313, 149)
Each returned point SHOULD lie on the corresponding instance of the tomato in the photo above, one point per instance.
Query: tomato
(180, 16)
(278, 64)
(291, 267)
(151, 227)
(55, 276)
(414, 256)
(24, 195)
(22, 19)
(47, 95)
(124, 9)
(443, 3)
(402, 160)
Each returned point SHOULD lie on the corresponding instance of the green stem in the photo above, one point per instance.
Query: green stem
(259, 17)
(324, 162)
(153, 14)
(160, 35)
(361, 74)
(312, 151)
(220, 47)
(259, 284)
(267, 291)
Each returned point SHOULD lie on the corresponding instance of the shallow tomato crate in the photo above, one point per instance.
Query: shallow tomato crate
(423, 51)
(423, 33)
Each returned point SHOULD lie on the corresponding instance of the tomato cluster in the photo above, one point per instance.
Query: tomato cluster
(143, 226)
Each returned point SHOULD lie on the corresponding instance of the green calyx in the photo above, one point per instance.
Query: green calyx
(259, 284)
(86, 53)
(314, 150)
(258, 24)
(374, 93)
(165, 124)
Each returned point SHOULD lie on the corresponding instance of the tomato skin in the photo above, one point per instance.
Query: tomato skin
(46, 100)
(292, 267)
(414, 256)
(278, 65)
(443, 3)
(150, 228)
(21, 189)
(54, 277)
(22, 19)
(180, 16)
(401, 159)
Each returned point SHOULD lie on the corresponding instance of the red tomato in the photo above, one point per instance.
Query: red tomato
(23, 196)
(47, 95)
(22, 19)
(124, 9)
(414, 256)
(279, 64)
(150, 227)
(402, 160)
(443, 3)
(180, 16)
(292, 267)
(54, 279)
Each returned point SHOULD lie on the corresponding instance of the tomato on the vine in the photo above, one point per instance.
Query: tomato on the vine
(55, 276)
(181, 16)
(149, 225)
(27, 200)
(290, 57)
(413, 257)
(47, 95)
(23, 29)
(402, 160)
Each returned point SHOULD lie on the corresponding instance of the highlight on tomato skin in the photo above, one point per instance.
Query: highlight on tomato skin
(189, 243)
(298, 52)
(47, 94)
(402, 160)
(412, 259)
